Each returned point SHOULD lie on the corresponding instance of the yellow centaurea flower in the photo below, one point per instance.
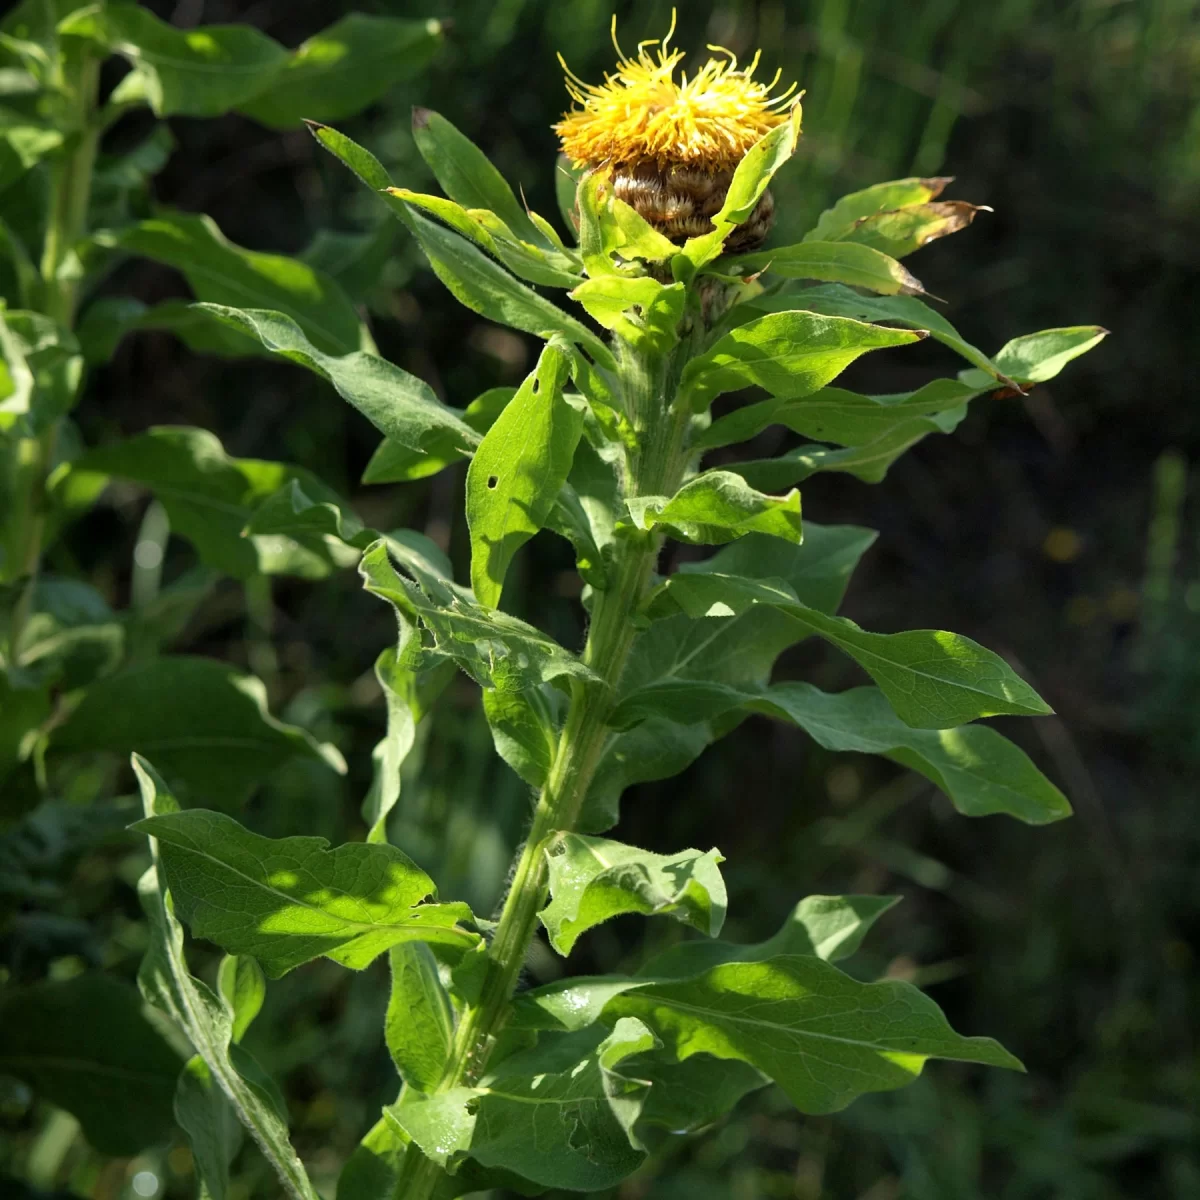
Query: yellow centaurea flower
(672, 143)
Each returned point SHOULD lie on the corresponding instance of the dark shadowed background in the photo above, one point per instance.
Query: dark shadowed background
(1058, 529)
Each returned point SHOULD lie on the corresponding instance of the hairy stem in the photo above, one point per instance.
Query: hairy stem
(655, 468)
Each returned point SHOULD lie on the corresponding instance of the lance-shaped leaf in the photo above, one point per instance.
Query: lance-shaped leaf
(84, 1045)
(1037, 357)
(494, 648)
(523, 731)
(211, 1123)
(828, 927)
(787, 353)
(980, 770)
(475, 280)
(399, 405)
(900, 231)
(933, 679)
(336, 73)
(393, 462)
(717, 507)
(518, 471)
(837, 221)
(288, 900)
(594, 879)
(843, 417)
(207, 724)
(419, 1026)
(750, 180)
(109, 319)
(834, 262)
(219, 272)
(821, 1035)
(560, 1114)
(204, 1016)
(186, 72)
(740, 650)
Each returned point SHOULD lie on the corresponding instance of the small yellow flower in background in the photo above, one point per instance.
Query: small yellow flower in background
(672, 144)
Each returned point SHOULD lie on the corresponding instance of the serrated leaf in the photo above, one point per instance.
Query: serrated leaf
(339, 71)
(187, 72)
(419, 1026)
(718, 507)
(399, 405)
(203, 1016)
(594, 879)
(221, 273)
(207, 723)
(494, 648)
(209, 497)
(834, 262)
(822, 1036)
(838, 220)
(787, 353)
(518, 471)
(84, 1045)
(295, 898)
(560, 1115)
(933, 679)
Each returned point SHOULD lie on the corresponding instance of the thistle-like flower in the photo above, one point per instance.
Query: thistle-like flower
(672, 146)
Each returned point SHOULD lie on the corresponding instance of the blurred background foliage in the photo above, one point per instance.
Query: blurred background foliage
(1058, 529)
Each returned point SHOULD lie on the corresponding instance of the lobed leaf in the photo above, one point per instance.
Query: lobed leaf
(594, 879)
(289, 900)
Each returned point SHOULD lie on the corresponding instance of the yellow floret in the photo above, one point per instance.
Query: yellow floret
(641, 114)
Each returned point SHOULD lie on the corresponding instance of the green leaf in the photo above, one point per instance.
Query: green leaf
(822, 1036)
(393, 462)
(44, 369)
(717, 507)
(291, 513)
(688, 1096)
(933, 679)
(396, 669)
(107, 320)
(213, 1130)
(22, 147)
(523, 731)
(495, 649)
(339, 71)
(981, 771)
(419, 1026)
(1037, 357)
(467, 175)
(206, 723)
(593, 879)
(560, 1114)
(750, 180)
(788, 353)
(243, 988)
(399, 405)
(828, 927)
(834, 262)
(839, 220)
(218, 272)
(209, 497)
(295, 898)
(900, 231)
(200, 72)
(836, 415)
(641, 310)
(83, 1044)
(203, 1015)
(587, 508)
(518, 470)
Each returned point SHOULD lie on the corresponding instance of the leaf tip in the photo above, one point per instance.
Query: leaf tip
(420, 117)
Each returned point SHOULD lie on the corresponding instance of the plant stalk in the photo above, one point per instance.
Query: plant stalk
(655, 468)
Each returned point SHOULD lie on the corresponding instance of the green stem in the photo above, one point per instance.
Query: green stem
(656, 468)
(71, 186)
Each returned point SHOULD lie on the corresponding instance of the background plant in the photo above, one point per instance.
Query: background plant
(1064, 616)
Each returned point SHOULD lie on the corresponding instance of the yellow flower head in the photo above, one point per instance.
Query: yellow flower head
(642, 114)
